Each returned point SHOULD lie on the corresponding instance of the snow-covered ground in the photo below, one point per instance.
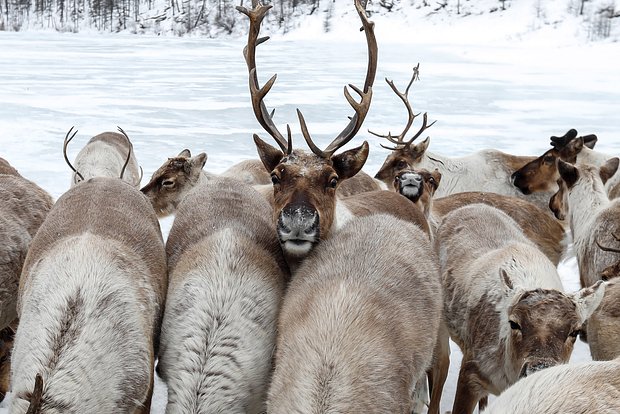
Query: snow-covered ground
(174, 93)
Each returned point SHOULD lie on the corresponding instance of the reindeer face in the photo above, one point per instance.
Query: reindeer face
(304, 188)
(538, 175)
(7, 335)
(417, 185)
(544, 325)
(401, 159)
(173, 180)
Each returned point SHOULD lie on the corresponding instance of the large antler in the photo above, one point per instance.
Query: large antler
(361, 108)
(265, 119)
(64, 151)
(399, 141)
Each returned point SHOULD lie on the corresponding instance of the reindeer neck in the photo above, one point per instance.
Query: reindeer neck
(585, 201)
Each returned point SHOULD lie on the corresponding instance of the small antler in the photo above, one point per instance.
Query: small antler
(37, 393)
(399, 141)
(265, 119)
(609, 249)
(361, 108)
(560, 142)
(128, 154)
(64, 151)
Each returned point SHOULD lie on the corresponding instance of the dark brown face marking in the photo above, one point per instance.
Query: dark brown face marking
(544, 325)
(539, 174)
(417, 185)
(172, 180)
(401, 159)
(7, 336)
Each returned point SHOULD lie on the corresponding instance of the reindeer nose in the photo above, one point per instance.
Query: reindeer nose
(531, 367)
(410, 178)
(298, 222)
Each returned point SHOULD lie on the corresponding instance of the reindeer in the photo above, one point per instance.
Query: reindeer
(359, 322)
(541, 174)
(420, 185)
(109, 154)
(90, 300)
(227, 278)
(503, 303)
(7, 336)
(604, 327)
(23, 207)
(487, 170)
(171, 182)
(593, 217)
(590, 387)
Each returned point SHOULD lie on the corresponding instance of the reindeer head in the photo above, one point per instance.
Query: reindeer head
(542, 173)
(581, 180)
(7, 336)
(405, 155)
(419, 186)
(543, 325)
(173, 180)
(305, 183)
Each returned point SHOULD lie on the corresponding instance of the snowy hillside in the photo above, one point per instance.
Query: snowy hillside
(484, 19)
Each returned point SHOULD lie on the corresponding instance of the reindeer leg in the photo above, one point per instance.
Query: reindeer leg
(439, 371)
(468, 388)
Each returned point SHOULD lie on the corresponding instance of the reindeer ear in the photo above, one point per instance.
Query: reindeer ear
(270, 156)
(195, 165)
(590, 140)
(185, 153)
(588, 299)
(437, 176)
(506, 282)
(608, 169)
(571, 150)
(421, 147)
(568, 172)
(350, 162)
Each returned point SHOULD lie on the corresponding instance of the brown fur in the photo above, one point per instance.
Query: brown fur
(386, 202)
(249, 171)
(114, 210)
(359, 183)
(7, 336)
(604, 326)
(6, 168)
(359, 322)
(424, 199)
(538, 175)
(23, 207)
(544, 231)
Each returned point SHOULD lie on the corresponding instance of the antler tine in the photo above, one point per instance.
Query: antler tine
(64, 151)
(128, 154)
(361, 108)
(306, 134)
(422, 129)
(256, 16)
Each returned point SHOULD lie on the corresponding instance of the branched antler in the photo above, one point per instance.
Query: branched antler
(560, 142)
(265, 119)
(361, 108)
(64, 151)
(399, 140)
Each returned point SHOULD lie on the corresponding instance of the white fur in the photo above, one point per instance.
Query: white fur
(99, 159)
(93, 364)
(218, 331)
(592, 387)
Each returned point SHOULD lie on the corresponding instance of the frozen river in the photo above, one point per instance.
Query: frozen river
(175, 93)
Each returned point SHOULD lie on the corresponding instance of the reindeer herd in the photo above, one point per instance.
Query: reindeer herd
(298, 283)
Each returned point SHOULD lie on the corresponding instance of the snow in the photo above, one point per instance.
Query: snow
(488, 82)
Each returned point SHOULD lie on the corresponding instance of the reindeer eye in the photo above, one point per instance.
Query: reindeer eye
(167, 183)
(514, 325)
(333, 182)
(431, 180)
(275, 179)
(548, 159)
(402, 164)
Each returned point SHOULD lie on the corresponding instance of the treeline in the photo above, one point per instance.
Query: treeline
(210, 17)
